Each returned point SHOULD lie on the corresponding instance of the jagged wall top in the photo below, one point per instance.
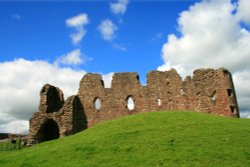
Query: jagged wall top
(208, 90)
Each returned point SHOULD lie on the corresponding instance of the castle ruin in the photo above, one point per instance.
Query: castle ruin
(209, 91)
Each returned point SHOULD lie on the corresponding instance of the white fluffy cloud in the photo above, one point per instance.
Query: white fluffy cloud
(243, 11)
(212, 36)
(107, 29)
(21, 81)
(74, 57)
(119, 7)
(78, 22)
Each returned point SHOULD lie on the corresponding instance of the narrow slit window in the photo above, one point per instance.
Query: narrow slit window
(159, 102)
(229, 92)
(232, 109)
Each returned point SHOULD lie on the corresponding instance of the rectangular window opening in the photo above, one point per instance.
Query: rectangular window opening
(229, 92)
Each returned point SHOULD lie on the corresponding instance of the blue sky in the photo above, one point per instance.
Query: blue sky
(41, 33)
(58, 42)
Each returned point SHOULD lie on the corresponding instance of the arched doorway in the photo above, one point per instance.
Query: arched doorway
(49, 131)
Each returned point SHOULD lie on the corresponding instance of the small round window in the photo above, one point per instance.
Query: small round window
(97, 104)
(130, 103)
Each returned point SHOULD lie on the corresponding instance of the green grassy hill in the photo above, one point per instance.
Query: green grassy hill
(150, 139)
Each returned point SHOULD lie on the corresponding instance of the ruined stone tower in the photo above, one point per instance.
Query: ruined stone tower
(56, 118)
(209, 90)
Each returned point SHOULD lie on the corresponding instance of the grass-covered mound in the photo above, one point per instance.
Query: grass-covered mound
(150, 139)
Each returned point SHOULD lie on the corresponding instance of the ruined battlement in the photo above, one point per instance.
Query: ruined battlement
(208, 90)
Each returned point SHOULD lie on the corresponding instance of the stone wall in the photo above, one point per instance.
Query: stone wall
(209, 91)
(51, 124)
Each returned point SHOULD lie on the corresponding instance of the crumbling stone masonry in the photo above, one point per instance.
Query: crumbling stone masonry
(56, 118)
(209, 90)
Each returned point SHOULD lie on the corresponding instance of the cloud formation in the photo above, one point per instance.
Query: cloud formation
(72, 58)
(16, 16)
(212, 36)
(107, 29)
(119, 7)
(120, 47)
(21, 81)
(78, 22)
(157, 36)
(243, 11)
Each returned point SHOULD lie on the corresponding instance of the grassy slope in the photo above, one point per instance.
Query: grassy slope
(150, 139)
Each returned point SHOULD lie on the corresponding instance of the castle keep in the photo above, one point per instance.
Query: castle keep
(209, 90)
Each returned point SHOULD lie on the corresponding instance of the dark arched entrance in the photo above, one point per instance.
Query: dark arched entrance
(48, 131)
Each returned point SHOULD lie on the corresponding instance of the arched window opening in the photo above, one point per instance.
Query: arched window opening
(130, 103)
(97, 103)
